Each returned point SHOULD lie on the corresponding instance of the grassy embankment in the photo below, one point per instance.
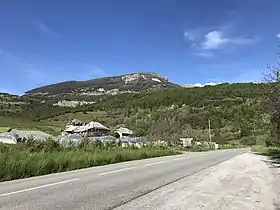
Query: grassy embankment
(34, 159)
(268, 151)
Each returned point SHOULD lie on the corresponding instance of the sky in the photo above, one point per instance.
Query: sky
(188, 41)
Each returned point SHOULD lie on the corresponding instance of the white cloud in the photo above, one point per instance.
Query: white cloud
(214, 40)
(204, 43)
(44, 28)
(202, 85)
(278, 36)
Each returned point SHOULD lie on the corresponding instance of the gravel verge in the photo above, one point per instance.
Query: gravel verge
(247, 181)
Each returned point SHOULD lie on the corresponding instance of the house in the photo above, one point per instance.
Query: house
(89, 129)
(71, 126)
(122, 132)
(75, 122)
(197, 143)
(186, 142)
(7, 138)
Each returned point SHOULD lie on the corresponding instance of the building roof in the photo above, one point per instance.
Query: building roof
(83, 128)
(124, 131)
(7, 138)
(97, 125)
(70, 128)
(75, 122)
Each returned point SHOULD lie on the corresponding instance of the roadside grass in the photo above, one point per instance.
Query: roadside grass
(231, 146)
(4, 129)
(18, 162)
(198, 149)
(268, 151)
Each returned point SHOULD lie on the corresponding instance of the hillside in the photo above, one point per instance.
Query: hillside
(236, 112)
(136, 82)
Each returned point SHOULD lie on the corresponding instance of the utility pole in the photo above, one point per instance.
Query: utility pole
(209, 129)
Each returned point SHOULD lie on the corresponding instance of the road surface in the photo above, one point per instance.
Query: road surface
(107, 187)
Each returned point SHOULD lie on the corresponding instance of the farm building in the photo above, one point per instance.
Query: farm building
(7, 138)
(186, 142)
(89, 129)
(76, 122)
(122, 132)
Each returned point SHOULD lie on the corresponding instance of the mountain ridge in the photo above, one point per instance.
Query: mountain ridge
(133, 82)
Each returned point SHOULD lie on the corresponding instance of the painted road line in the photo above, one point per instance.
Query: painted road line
(110, 172)
(39, 187)
(181, 158)
(155, 163)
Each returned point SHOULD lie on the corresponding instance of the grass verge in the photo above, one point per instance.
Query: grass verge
(268, 151)
(22, 164)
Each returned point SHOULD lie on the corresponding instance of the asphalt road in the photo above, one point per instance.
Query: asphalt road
(106, 187)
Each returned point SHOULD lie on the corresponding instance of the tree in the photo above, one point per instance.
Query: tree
(273, 104)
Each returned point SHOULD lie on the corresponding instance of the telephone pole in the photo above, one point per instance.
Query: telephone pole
(209, 129)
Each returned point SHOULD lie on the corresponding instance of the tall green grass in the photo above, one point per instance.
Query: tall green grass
(268, 151)
(17, 164)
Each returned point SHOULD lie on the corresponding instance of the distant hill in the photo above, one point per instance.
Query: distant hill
(236, 111)
(136, 82)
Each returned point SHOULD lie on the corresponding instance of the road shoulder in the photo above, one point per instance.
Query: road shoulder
(243, 182)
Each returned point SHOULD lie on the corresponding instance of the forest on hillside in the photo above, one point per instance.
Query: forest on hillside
(236, 112)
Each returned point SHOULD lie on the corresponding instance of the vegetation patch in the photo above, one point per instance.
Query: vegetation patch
(268, 151)
(4, 129)
(40, 158)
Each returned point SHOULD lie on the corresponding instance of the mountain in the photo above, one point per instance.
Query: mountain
(136, 82)
(236, 111)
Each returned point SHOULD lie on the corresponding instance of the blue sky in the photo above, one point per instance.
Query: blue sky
(189, 41)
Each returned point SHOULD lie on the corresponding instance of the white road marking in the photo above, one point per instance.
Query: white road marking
(155, 163)
(39, 187)
(110, 172)
(181, 158)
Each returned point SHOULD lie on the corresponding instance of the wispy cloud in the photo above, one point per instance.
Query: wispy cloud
(278, 36)
(44, 28)
(18, 73)
(204, 43)
(23, 72)
(216, 40)
(191, 35)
